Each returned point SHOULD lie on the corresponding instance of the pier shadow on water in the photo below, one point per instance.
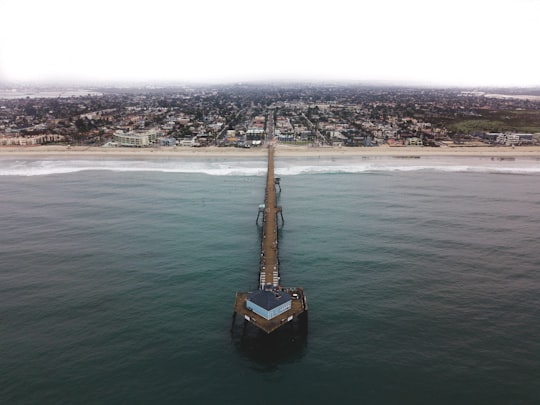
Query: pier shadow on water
(286, 345)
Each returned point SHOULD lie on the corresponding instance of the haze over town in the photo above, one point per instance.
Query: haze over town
(416, 42)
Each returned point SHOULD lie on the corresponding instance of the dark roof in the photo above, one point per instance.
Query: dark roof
(268, 299)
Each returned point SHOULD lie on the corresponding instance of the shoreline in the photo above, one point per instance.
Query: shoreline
(281, 150)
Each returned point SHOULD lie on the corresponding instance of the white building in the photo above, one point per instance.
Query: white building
(30, 140)
(135, 138)
(508, 139)
(193, 142)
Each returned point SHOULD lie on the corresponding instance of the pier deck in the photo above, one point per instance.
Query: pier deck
(293, 300)
(269, 272)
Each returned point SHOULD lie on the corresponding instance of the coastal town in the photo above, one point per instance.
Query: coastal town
(236, 116)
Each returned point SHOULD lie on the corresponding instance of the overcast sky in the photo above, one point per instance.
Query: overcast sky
(444, 42)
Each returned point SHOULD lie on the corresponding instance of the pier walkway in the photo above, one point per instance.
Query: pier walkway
(269, 271)
(272, 305)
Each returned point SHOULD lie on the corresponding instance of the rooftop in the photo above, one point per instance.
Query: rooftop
(268, 299)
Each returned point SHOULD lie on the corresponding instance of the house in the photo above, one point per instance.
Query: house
(268, 303)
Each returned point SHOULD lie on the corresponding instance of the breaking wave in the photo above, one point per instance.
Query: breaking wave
(284, 166)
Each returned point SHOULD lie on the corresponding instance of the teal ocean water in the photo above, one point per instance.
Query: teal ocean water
(118, 278)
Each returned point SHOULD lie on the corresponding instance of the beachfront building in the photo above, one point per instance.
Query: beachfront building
(414, 141)
(135, 138)
(192, 142)
(31, 140)
(254, 134)
(337, 137)
(508, 139)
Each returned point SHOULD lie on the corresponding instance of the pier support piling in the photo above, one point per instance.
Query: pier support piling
(233, 320)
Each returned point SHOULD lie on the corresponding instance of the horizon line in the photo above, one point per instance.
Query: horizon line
(161, 83)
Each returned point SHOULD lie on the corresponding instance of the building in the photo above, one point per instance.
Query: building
(31, 140)
(254, 133)
(508, 139)
(414, 141)
(268, 303)
(491, 137)
(135, 138)
(167, 142)
(189, 142)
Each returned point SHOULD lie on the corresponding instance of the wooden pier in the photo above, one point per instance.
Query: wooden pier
(271, 305)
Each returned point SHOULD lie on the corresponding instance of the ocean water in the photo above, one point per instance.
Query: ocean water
(118, 278)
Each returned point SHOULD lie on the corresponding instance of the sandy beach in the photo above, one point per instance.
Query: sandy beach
(281, 149)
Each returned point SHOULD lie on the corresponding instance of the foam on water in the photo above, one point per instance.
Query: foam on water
(62, 166)
(285, 166)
